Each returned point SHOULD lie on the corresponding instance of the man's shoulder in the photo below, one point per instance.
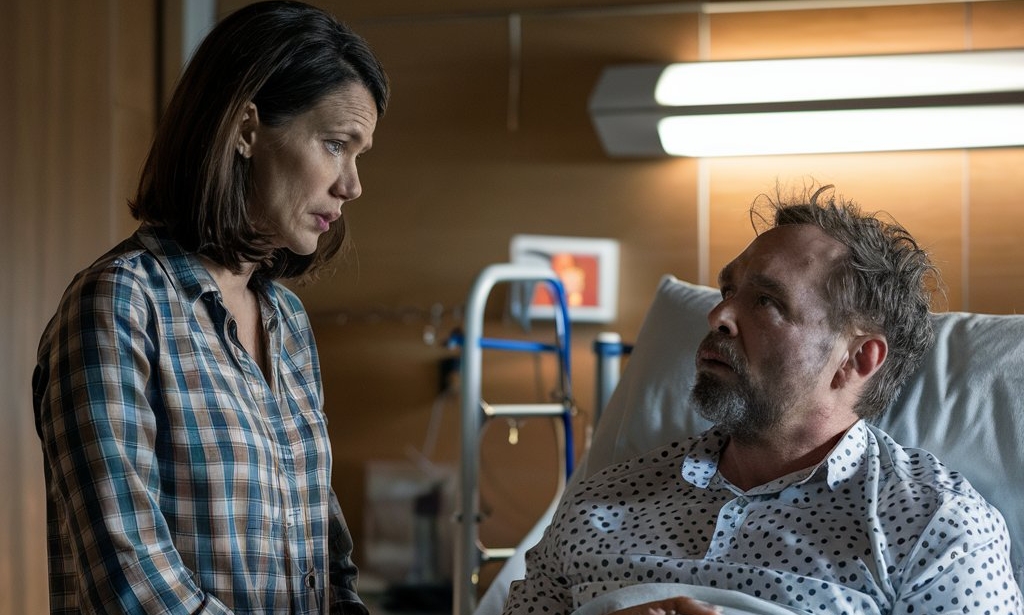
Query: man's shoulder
(664, 461)
(908, 472)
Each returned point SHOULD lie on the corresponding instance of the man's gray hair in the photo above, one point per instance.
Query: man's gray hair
(884, 285)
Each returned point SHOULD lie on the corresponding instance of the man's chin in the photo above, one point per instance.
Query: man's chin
(712, 384)
(715, 401)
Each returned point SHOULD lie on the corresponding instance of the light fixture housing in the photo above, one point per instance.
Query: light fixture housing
(812, 105)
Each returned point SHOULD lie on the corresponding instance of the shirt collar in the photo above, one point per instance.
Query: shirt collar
(183, 266)
(846, 457)
(700, 464)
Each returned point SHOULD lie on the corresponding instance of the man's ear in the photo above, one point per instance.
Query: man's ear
(247, 125)
(864, 356)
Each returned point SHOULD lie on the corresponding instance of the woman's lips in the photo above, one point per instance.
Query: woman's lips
(322, 223)
(324, 220)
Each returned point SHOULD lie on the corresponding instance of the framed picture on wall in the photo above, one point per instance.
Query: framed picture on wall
(587, 267)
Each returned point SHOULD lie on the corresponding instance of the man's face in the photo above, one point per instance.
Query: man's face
(769, 355)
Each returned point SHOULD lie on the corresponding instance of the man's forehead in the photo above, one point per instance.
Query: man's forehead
(801, 239)
(788, 248)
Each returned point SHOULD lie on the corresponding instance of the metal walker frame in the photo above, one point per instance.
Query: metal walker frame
(469, 552)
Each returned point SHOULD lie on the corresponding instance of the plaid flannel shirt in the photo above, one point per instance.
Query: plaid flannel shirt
(179, 478)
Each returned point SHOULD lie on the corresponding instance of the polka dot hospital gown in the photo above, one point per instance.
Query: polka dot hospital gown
(875, 528)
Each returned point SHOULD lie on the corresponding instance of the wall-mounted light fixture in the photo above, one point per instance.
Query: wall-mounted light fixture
(812, 105)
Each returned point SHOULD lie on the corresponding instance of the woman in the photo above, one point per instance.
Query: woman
(178, 393)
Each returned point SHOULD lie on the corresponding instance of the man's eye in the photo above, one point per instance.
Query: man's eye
(334, 147)
(765, 300)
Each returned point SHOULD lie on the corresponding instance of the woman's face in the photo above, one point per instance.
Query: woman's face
(305, 169)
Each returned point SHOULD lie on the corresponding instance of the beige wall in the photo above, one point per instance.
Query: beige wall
(446, 186)
(76, 115)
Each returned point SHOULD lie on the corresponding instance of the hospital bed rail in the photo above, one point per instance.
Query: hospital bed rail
(469, 552)
(608, 351)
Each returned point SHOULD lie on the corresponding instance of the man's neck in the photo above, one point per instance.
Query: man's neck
(751, 463)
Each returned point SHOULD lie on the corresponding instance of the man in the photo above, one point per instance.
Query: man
(792, 498)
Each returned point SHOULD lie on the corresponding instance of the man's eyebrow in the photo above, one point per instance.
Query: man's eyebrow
(725, 275)
(759, 280)
(770, 284)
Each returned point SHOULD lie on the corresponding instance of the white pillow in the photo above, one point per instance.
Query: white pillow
(965, 404)
(650, 405)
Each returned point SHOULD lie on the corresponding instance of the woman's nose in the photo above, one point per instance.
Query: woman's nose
(347, 187)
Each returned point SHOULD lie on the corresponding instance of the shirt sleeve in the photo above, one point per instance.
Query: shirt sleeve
(98, 432)
(343, 572)
(961, 564)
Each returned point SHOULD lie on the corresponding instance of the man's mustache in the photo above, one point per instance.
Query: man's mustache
(718, 347)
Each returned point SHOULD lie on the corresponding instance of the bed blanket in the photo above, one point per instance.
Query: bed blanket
(732, 602)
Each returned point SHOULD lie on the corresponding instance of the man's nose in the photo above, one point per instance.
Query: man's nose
(722, 318)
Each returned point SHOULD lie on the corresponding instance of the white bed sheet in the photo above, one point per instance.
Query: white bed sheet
(731, 601)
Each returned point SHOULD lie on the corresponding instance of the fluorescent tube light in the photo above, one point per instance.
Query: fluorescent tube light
(851, 130)
(842, 78)
(808, 105)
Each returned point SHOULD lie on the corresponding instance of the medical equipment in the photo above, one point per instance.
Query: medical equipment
(469, 553)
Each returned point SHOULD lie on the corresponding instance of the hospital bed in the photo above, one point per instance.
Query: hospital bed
(965, 404)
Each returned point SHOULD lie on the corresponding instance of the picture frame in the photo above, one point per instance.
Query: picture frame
(589, 271)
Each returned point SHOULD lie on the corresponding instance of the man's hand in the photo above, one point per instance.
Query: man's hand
(671, 606)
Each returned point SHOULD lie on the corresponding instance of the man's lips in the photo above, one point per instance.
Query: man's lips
(715, 354)
(710, 358)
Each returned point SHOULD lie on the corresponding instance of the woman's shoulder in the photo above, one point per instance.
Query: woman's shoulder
(126, 264)
(141, 268)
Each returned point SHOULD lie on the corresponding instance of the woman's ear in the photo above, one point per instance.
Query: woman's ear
(247, 125)
(865, 355)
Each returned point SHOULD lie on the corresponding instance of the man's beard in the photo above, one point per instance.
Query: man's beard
(741, 409)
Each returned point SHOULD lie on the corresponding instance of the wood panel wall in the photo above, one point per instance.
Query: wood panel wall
(77, 109)
(463, 161)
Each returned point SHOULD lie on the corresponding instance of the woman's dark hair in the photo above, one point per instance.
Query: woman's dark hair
(884, 285)
(282, 56)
